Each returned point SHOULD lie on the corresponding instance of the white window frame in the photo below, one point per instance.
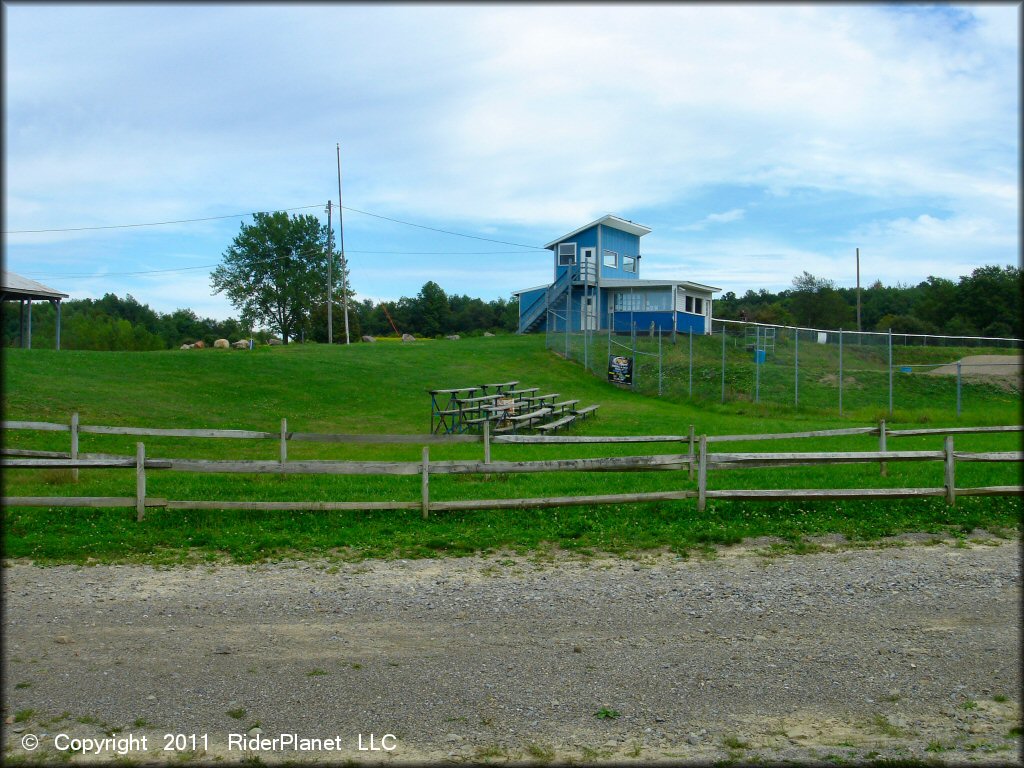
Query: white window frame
(612, 262)
(629, 263)
(565, 258)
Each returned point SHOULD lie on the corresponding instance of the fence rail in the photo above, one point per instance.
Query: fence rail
(698, 457)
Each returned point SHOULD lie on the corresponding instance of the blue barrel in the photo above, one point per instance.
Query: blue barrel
(759, 356)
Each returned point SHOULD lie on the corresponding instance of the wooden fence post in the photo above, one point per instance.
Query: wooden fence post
(487, 441)
(950, 480)
(74, 443)
(884, 466)
(425, 482)
(691, 453)
(284, 440)
(140, 481)
(702, 474)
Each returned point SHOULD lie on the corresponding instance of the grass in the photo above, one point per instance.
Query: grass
(382, 389)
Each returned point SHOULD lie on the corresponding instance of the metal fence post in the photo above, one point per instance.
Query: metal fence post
(890, 371)
(840, 371)
(958, 367)
(757, 365)
(636, 365)
(659, 362)
(691, 359)
(796, 368)
(723, 362)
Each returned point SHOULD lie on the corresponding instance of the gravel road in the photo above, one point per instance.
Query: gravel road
(886, 652)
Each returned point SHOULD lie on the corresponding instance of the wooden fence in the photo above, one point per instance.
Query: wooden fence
(697, 459)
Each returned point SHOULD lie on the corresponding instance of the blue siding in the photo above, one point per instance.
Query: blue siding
(624, 321)
(624, 244)
(685, 321)
(585, 239)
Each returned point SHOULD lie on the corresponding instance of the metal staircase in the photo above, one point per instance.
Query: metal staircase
(531, 317)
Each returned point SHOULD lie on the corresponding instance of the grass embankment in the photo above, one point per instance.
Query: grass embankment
(380, 388)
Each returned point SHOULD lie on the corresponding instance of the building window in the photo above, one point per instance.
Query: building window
(566, 254)
(689, 303)
(698, 306)
(653, 300)
(611, 259)
(629, 263)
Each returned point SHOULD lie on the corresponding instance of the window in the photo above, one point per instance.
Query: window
(566, 254)
(629, 263)
(611, 259)
(643, 301)
(689, 303)
(698, 306)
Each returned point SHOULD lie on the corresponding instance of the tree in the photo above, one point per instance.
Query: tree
(275, 271)
(816, 303)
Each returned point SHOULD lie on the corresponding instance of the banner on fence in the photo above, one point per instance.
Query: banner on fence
(620, 369)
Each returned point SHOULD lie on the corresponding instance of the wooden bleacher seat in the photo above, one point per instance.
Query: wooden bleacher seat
(585, 411)
(553, 425)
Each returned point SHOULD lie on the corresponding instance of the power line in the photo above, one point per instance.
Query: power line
(150, 224)
(252, 213)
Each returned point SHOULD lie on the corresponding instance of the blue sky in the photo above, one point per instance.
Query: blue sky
(755, 141)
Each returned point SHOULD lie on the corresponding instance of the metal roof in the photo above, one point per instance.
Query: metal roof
(21, 287)
(626, 283)
(610, 220)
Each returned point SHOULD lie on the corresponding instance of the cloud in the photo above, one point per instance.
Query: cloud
(725, 217)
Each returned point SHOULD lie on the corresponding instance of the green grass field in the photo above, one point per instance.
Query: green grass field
(382, 388)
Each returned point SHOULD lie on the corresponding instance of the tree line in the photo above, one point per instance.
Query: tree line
(986, 302)
(114, 323)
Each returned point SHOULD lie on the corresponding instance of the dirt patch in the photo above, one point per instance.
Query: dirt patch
(752, 654)
(1004, 371)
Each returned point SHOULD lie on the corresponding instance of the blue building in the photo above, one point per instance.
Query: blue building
(597, 285)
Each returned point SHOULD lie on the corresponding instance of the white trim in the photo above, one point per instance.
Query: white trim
(604, 259)
(609, 220)
(560, 255)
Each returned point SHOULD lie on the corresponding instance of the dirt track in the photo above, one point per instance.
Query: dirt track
(906, 651)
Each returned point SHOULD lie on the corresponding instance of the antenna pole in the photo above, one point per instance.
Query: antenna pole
(341, 243)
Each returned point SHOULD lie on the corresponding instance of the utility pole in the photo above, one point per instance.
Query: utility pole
(858, 290)
(341, 243)
(330, 278)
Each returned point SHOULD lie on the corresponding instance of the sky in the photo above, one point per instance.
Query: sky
(756, 141)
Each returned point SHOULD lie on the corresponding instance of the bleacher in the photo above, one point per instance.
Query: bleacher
(503, 407)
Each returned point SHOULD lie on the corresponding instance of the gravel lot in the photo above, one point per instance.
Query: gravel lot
(895, 651)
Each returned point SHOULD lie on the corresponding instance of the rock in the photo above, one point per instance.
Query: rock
(199, 345)
(243, 344)
(369, 339)
(408, 337)
(274, 342)
(488, 334)
(222, 344)
(185, 346)
(63, 640)
(453, 337)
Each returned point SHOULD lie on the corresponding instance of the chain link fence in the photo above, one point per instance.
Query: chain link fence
(805, 368)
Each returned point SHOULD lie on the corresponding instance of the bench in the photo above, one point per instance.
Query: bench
(523, 420)
(564, 405)
(584, 411)
(499, 387)
(541, 398)
(553, 425)
(517, 392)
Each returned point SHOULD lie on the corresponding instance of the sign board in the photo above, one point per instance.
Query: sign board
(620, 369)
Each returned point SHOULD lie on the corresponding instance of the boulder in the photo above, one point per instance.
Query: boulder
(185, 346)
(242, 344)
(488, 334)
(369, 339)
(453, 337)
(408, 337)
(274, 342)
(199, 345)
(222, 344)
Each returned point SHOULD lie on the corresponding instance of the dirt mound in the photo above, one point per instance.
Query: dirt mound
(984, 365)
